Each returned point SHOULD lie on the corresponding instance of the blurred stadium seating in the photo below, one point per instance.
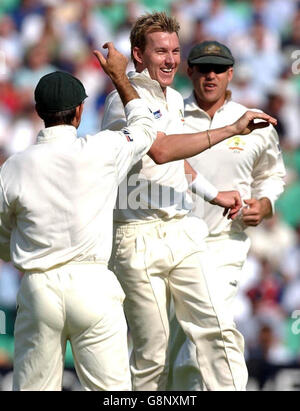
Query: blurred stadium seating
(40, 36)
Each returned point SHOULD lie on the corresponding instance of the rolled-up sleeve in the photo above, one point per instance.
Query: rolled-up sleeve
(5, 225)
(114, 115)
(269, 171)
(137, 132)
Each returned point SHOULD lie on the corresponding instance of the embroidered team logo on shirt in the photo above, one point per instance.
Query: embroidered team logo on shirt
(236, 144)
(127, 135)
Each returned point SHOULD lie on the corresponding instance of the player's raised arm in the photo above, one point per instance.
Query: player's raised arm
(178, 146)
(115, 67)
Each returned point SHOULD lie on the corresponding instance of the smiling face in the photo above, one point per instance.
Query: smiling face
(161, 57)
(210, 83)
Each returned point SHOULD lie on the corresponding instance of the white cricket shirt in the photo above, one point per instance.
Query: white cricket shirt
(151, 191)
(251, 164)
(57, 196)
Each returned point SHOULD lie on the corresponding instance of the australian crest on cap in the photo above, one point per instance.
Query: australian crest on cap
(212, 49)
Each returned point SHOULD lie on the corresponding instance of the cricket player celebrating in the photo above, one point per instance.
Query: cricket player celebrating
(251, 164)
(157, 250)
(56, 206)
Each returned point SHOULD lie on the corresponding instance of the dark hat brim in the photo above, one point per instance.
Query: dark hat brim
(212, 60)
(48, 109)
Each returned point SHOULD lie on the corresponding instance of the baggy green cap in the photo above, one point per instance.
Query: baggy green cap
(58, 91)
(210, 52)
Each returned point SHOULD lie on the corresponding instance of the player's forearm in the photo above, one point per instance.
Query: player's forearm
(179, 146)
(125, 89)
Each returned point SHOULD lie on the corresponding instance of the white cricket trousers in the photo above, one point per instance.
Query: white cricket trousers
(153, 260)
(79, 302)
(229, 251)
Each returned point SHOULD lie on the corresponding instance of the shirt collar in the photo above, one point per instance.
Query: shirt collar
(192, 105)
(144, 80)
(62, 132)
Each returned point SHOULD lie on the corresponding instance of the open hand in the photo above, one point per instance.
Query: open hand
(245, 124)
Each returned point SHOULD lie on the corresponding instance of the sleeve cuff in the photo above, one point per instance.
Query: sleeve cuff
(203, 188)
(134, 104)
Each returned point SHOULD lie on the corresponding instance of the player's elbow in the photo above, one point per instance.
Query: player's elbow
(159, 155)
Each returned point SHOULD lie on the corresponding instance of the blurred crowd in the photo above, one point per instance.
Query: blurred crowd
(41, 36)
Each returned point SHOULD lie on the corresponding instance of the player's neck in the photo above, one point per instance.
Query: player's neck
(164, 90)
(210, 107)
(139, 69)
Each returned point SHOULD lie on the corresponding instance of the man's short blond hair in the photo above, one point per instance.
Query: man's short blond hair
(149, 23)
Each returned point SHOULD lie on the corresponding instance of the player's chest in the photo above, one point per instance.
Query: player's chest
(168, 114)
(241, 151)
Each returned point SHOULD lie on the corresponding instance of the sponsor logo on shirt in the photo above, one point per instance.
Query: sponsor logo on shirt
(127, 135)
(157, 114)
(236, 144)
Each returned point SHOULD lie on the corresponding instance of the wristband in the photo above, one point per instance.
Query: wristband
(203, 188)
